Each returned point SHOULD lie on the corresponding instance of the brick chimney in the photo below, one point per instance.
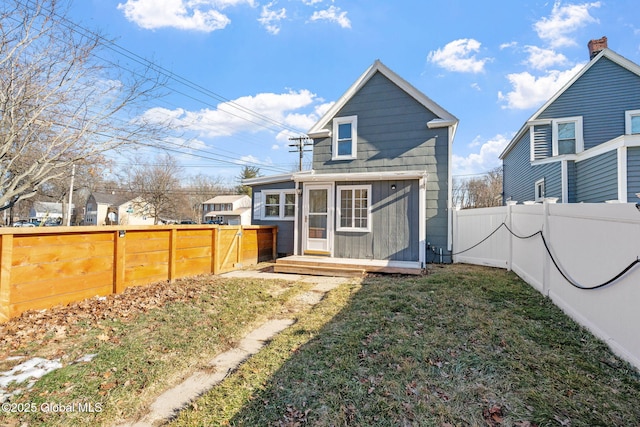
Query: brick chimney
(596, 46)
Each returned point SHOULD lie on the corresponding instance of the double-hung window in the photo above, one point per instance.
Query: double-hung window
(632, 122)
(567, 136)
(279, 204)
(354, 208)
(345, 138)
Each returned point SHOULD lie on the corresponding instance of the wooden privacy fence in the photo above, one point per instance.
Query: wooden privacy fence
(42, 267)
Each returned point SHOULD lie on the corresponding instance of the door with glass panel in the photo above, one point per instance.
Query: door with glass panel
(317, 221)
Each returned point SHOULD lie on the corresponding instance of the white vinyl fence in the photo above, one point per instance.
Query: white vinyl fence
(563, 250)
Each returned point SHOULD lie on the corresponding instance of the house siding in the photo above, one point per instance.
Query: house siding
(571, 181)
(284, 240)
(597, 178)
(392, 133)
(601, 96)
(633, 173)
(394, 224)
(393, 136)
(519, 175)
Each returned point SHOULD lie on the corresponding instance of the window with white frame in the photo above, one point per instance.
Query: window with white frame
(354, 208)
(539, 190)
(279, 204)
(345, 137)
(567, 136)
(632, 122)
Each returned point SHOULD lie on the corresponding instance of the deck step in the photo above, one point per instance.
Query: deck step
(318, 270)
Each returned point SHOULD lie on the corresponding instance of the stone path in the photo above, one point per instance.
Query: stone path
(169, 403)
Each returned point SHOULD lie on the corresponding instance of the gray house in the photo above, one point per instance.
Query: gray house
(380, 184)
(583, 145)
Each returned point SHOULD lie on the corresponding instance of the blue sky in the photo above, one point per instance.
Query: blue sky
(251, 73)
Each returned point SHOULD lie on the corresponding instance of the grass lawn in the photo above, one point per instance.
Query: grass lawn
(464, 346)
(141, 342)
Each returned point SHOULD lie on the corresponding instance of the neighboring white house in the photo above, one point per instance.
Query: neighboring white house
(47, 211)
(114, 209)
(231, 210)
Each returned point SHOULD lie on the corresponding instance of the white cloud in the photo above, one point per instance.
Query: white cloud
(198, 15)
(245, 114)
(543, 59)
(564, 20)
(458, 55)
(270, 18)
(484, 160)
(531, 91)
(332, 14)
(476, 86)
(508, 45)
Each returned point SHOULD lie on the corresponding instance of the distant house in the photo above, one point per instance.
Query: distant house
(583, 144)
(47, 212)
(380, 187)
(230, 210)
(116, 209)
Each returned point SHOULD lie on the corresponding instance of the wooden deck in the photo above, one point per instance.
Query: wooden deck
(345, 267)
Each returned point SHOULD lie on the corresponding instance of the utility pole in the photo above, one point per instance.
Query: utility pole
(73, 175)
(299, 146)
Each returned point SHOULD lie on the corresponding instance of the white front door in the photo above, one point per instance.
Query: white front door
(317, 219)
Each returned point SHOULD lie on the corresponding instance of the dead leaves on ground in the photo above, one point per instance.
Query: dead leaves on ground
(62, 322)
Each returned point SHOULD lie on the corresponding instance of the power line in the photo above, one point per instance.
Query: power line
(299, 145)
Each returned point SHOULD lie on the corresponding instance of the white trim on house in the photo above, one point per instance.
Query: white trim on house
(607, 53)
(318, 131)
(627, 120)
(622, 174)
(282, 197)
(422, 226)
(578, 137)
(359, 176)
(335, 140)
(537, 185)
(352, 188)
(564, 174)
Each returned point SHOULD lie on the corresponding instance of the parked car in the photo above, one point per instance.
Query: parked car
(23, 223)
(187, 221)
(214, 221)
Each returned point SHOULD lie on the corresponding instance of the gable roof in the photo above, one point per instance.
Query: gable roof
(227, 198)
(606, 53)
(444, 117)
(111, 199)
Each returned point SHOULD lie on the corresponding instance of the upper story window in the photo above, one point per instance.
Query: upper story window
(345, 137)
(567, 136)
(632, 122)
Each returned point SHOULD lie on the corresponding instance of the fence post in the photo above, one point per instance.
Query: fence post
(173, 244)
(509, 223)
(274, 243)
(455, 233)
(240, 234)
(215, 253)
(6, 253)
(119, 248)
(546, 263)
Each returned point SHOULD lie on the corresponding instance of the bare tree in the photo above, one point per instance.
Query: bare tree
(481, 192)
(202, 188)
(59, 103)
(155, 187)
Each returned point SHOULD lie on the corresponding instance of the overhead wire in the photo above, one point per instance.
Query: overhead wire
(189, 84)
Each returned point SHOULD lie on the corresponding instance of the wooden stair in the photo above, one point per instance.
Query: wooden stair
(323, 266)
(317, 269)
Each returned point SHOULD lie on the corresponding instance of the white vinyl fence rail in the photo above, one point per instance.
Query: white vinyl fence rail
(570, 253)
